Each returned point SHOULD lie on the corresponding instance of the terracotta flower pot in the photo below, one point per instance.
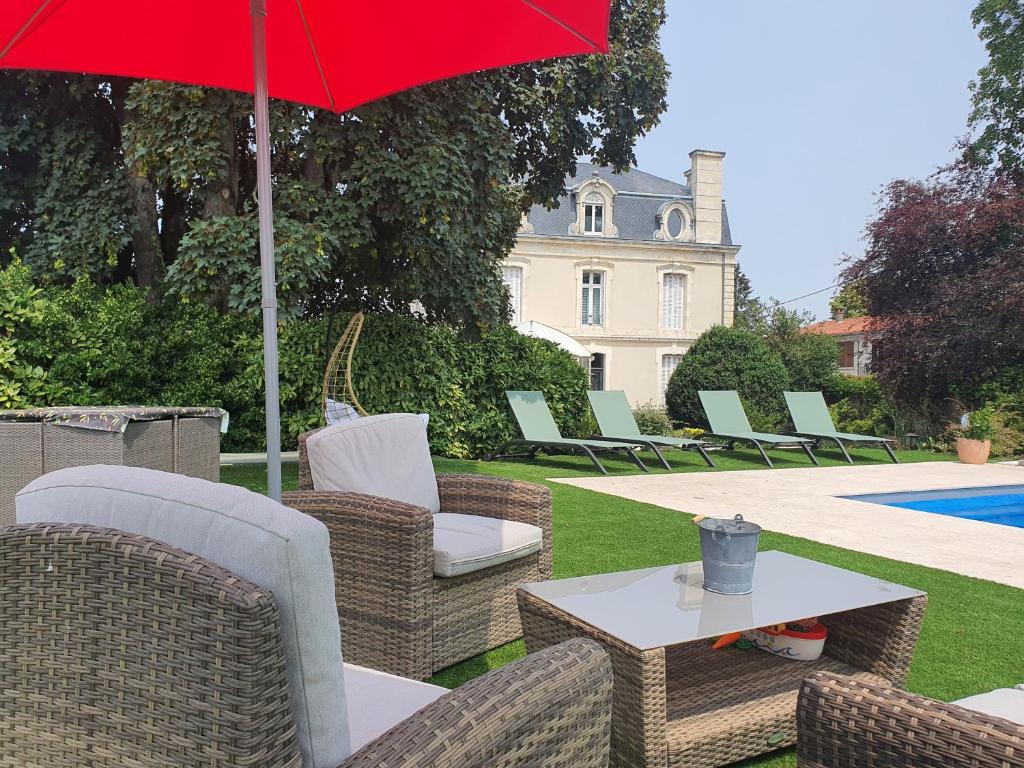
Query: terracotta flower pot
(973, 451)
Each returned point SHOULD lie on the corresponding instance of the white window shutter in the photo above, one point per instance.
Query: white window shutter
(673, 301)
(669, 363)
(513, 279)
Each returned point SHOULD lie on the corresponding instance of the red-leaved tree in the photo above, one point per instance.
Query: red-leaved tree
(944, 271)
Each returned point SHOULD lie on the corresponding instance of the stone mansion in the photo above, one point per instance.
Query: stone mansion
(632, 266)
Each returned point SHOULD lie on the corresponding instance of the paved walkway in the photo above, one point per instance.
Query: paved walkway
(802, 502)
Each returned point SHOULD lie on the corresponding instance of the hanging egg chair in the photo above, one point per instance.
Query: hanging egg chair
(339, 401)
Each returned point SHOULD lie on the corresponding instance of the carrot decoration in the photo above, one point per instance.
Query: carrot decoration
(726, 640)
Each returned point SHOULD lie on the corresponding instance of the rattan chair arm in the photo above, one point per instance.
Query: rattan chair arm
(383, 577)
(120, 649)
(846, 723)
(500, 498)
(305, 474)
(549, 710)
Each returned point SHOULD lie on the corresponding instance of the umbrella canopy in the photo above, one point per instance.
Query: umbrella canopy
(335, 54)
(563, 340)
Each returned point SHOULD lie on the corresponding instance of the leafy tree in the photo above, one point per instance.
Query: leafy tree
(748, 309)
(811, 359)
(729, 358)
(943, 271)
(415, 197)
(850, 300)
(997, 95)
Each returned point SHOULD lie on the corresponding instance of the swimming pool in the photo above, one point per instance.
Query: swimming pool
(1001, 504)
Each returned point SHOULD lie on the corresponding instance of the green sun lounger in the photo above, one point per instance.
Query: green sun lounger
(541, 433)
(729, 422)
(812, 419)
(616, 422)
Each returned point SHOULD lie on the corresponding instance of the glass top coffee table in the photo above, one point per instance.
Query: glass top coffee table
(677, 702)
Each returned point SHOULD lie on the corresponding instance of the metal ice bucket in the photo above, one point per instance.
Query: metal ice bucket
(728, 549)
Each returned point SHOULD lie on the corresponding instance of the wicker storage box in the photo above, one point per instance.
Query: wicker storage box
(32, 443)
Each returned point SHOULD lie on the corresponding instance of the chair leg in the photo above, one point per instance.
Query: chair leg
(809, 452)
(660, 455)
(892, 455)
(845, 452)
(760, 448)
(704, 455)
(593, 458)
(636, 459)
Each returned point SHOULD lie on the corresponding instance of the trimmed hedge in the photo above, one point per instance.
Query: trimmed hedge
(87, 345)
(729, 358)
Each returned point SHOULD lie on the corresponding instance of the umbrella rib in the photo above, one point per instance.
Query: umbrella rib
(551, 17)
(316, 56)
(20, 34)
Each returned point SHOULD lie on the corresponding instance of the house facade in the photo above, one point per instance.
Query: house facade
(856, 337)
(632, 266)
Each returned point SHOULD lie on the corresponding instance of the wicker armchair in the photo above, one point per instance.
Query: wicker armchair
(120, 650)
(396, 615)
(847, 723)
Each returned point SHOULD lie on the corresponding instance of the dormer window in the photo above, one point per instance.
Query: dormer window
(593, 214)
(675, 222)
(595, 209)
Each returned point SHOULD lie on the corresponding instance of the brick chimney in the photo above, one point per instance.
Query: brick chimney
(705, 181)
(838, 314)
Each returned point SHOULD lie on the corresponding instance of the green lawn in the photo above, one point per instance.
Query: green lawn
(971, 640)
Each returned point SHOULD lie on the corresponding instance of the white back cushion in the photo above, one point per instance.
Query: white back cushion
(385, 455)
(278, 548)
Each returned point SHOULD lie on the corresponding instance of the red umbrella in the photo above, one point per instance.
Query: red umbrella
(335, 54)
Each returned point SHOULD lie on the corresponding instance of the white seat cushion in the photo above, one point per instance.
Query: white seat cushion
(467, 543)
(385, 455)
(278, 548)
(378, 701)
(1007, 703)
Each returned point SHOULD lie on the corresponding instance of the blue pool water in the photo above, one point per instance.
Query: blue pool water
(1002, 504)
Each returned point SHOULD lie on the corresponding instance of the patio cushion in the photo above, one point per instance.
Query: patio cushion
(1007, 703)
(378, 701)
(385, 455)
(468, 543)
(278, 548)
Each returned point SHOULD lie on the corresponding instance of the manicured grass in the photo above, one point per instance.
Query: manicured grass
(971, 639)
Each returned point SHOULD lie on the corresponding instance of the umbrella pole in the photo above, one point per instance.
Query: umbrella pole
(258, 14)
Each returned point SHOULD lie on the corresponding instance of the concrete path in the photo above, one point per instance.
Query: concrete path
(802, 502)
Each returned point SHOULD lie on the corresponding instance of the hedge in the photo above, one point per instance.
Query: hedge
(87, 345)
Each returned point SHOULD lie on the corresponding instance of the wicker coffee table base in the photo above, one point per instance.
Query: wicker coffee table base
(687, 706)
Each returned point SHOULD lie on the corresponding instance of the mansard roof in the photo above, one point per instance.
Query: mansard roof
(638, 198)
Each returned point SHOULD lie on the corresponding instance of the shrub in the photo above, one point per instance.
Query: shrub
(652, 420)
(22, 309)
(861, 407)
(729, 358)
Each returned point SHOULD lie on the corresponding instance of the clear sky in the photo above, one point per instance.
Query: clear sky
(817, 103)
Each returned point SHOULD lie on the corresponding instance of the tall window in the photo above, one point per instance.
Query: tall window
(593, 298)
(673, 301)
(846, 354)
(593, 214)
(668, 365)
(513, 279)
(597, 372)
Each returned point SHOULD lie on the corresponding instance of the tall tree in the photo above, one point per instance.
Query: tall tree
(850, 300)
(747, 308)
(998, 94)
(416, 197)
(944, 271)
